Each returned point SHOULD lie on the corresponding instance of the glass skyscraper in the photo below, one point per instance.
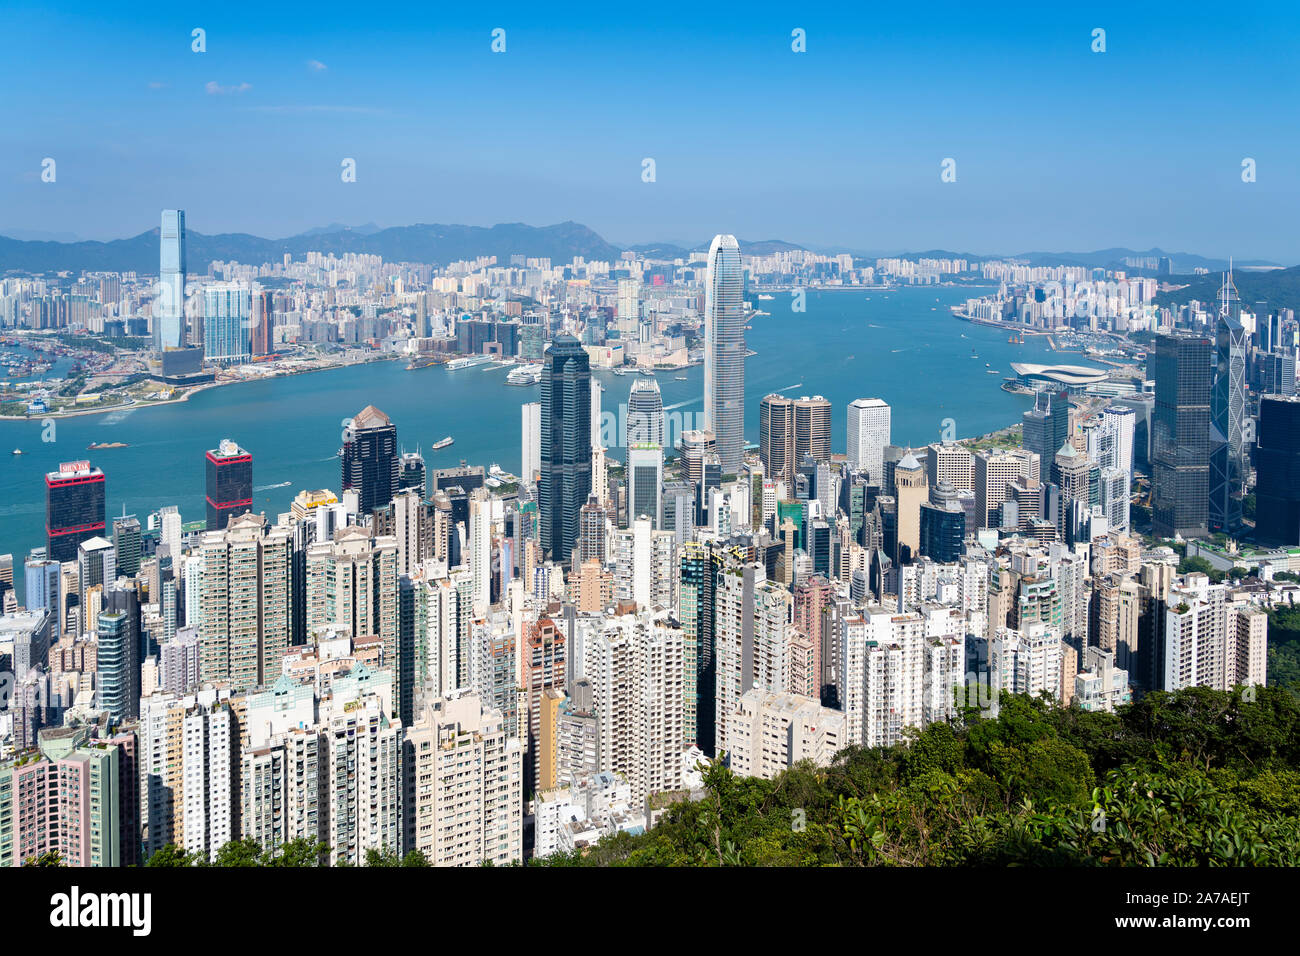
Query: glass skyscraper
(565, 480)
(226, 323)
(724, 352)
(169, 306)
(1180, 445)
(1277, 514)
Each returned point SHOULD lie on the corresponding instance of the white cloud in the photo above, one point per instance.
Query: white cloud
(216, 89)
(316, 65)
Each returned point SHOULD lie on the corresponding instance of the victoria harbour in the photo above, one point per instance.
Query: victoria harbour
(903, 345)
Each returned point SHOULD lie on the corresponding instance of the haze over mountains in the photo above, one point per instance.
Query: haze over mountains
(441, 244)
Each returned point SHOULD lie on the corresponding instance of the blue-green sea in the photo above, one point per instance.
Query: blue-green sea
(903, 346)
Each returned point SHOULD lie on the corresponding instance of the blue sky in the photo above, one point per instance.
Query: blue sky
(1057, 147)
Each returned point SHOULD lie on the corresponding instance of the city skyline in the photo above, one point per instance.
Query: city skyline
(842, 158)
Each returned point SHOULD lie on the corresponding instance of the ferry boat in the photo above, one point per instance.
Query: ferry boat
(443, 444)
(525, 375)
(470, 362)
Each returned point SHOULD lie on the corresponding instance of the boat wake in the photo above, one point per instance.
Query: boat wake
(283, 484)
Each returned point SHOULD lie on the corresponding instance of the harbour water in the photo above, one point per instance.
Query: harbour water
(903, 346)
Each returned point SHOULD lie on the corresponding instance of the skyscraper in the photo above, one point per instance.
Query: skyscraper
(868, 436)
(645, 475)
(229, 483)
(1228, 410)
(724, 351)
(1277, 493)
(530, 445)
(227, 310)
(1180, 455)
(812, 428)
(370, 459)
(74, 508)
(565, 479)
(1047, 424)
(776, 436)
(169, 307)
(645, 413)
(913, 491)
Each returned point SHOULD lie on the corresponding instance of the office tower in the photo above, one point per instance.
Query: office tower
(994, 472)
(776, 436)
(169, 529)
(1070, 474)
(127, 545)
(644, 474)
(943, 525)
(1046, 426)
(645, 413)
(812, 428)
(913, 492)
(1113, 497)
(1119, 423)
(724, 351)
(635, 665)
(679, 510)
(531, 447)
(1180, 441)
(117, 659)
(770, 732)
(1277, 490)
(468, 808)
(566, 445)
(226, 321)
(950, 462)
(41, 584)
(411, 473)
(1228, 413)
(868, 434)
(245, 599)
(229, 483)
(74, 508)
(169, 308)
(370, 459)
(363, 769)
(692, 448)
(1276, 372)
(598, 440)
(352, 588)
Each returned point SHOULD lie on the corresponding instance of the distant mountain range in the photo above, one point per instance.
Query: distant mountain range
(441, 244)
(1280, 288)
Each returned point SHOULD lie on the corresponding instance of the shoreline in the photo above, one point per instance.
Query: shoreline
(191, 391)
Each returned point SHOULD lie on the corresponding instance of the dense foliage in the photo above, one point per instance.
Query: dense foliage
(1198, 777)
(1284, 648)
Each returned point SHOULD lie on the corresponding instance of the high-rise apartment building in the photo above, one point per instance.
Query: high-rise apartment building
(246, 602)
(227, 311)
(466, 796)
